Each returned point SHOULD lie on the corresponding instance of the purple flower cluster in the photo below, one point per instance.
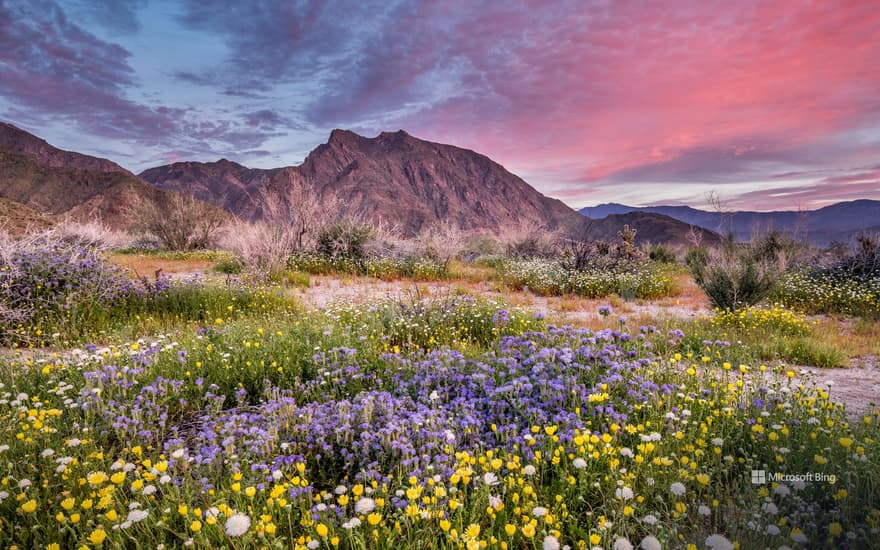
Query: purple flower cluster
(418, 412)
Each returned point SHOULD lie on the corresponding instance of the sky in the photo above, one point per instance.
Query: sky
(767, 105)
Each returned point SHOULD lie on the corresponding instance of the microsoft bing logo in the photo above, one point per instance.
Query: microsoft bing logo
(759, 477)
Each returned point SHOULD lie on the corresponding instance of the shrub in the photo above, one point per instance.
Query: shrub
(736, 276)
(661, 254)
(44, 283)
(180, 222)
(345, 240)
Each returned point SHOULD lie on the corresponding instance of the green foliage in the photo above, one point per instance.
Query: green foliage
(553, 278)
(343, 240)
(737, 276)
(661, 254)
(851, 287)
(229, 266)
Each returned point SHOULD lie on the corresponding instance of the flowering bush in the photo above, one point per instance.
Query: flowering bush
(53, 292)
(44, 284)
(830, 291)
(548, 438)
(551, 277)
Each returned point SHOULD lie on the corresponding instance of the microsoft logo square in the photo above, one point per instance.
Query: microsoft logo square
(759, 477)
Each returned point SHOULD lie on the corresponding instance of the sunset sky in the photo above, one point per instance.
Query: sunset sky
(773, 105)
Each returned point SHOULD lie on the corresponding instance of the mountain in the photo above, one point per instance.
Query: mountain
(394, 177)
(837, 222)
(16, 218)
(406, 181)
(49, 181)
(224, 182)
(16, 140)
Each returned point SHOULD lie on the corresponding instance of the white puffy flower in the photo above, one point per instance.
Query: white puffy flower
(677, 488)
(3, 495)
(800, 538)
(650, 543)
(495, 502)
(718, 442)
(237, 525)
(622, 544)
(352, 523)
(799, 484)
(624, 493)
(529, 470)
(650, 519)
(365, 505)
(340, 489)
(47, 453)
(137, 515)
(177, 454)
(704, 510)
(539, 511)
(579, 463)
(627, 452)
(313, 544)
(490, 478)
(770, 508)
(772, 530)
(550, 543)
(24, 483)
(718, 542)
(149, 490)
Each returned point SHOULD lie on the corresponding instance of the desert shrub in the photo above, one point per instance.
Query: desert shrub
(345, 239)
(661, 254)
(738, 275)
(93, 234)
(45, 284)
(180, 222)
(480, 246)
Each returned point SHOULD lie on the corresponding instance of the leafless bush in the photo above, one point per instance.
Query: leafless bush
(180, 222)
(297, 211)
(290, 219)
(94, 233)
(533, 241)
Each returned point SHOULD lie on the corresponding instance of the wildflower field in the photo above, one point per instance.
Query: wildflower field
(223, 413)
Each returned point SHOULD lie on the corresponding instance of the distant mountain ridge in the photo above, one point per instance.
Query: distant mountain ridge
(837, 222)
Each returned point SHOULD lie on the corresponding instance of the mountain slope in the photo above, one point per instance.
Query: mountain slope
(837, 222)
(394, 177)
(16, 140)
(47, 180)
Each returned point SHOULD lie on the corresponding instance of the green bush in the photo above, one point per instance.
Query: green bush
(344, 240)
(661, 254)
(736, 276)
